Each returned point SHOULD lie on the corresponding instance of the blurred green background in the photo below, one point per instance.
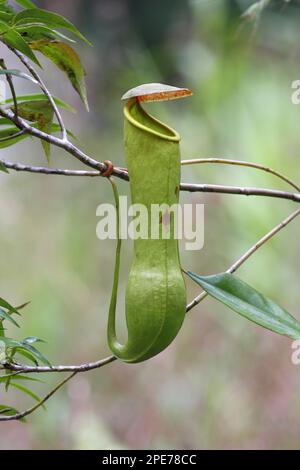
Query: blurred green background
(224, 383)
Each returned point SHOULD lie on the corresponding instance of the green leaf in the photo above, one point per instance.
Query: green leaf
(19, 74)
(11, 343)
(14, 39)
(4, 409)
(56, 128)
(7, 306)
(35, 32)
(249, 303)
(6, 11)
(20, 307)
(42, 113)
(33, 339)
(10, 411)
(26, 3)
(38, 97)
(23, 346)
(5, 17)
(36, 353)
(26, 354)
(8, 139)
(14, 376)
(6, 316)
(27, 391)
(3, 168)
(38, 15)
(4, 121)
(67, 60)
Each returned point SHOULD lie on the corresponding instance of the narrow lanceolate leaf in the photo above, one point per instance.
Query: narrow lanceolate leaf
(4, 409)
(249, 303)
(7, 306)
(26, 3)
(19, 74)
(4, 378)
(7, 12)
(5, 316)
(3, 168)
(8, 139)
(37, 97)
(10, 343)
(14, 39)
(7, 410)
(4, 121)
(56, 128)
(35, 32)
(4, 16)
(42, 113)
(67, 60)
(33, 339)
(36, 353)
(18, 346)
(40, 16)
(25, 354)
(27, 391)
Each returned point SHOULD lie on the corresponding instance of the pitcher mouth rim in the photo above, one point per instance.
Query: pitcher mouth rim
(174, 137)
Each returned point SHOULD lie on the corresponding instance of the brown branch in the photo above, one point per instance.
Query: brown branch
(47, 170)
(18, 369)
(73, 368)
(23, 414)
(245, 191)
(11, 86)
(122, 173)
(257, 166)
(67, 146)
(45, 90)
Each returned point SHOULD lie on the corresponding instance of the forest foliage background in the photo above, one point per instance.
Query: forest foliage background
(224, 383)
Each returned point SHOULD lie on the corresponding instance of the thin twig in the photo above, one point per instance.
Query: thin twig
(23, 414)
(46, 170)
(262, 241)
(11, 137)
(47, 93)
(11, 86)
(257, 166)
(121, 173)
(42, 369)
(245, 191)
(247, 255)
(68, 146)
